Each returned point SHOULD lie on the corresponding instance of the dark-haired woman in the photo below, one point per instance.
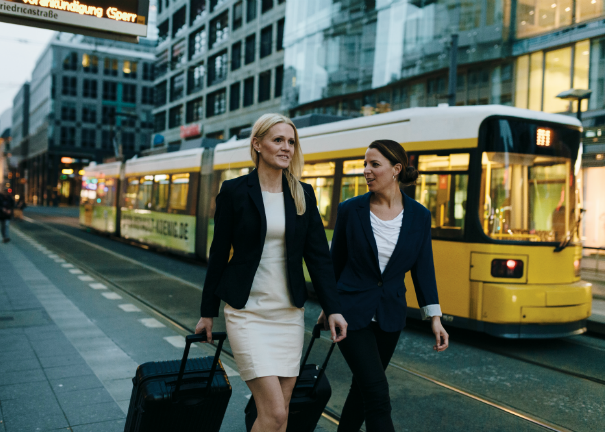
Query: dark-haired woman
(391, 234)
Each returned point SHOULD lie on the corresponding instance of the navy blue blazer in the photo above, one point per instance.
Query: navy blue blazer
(364, 290)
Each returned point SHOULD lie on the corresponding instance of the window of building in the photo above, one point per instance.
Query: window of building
(128, 118)
(248, 91)
(89, 88)
(266, 40)
(159, 122)
(197, 74)
(128, 141)
(538, 16)
(216, 3)
(179, 22)
(236, 56)
(109, 115)
(147, 96)
(234, 96)
(238, 14)
(250, 49)
(163, 30)
(148, 72)
(129, 93)
(107, 140)
(162, 64)
(217, 68)
(68, 111)
(264, 86)
(110, 67)
(195, 110)
(129, 69)
(90, 63)
(161, 91)
(70, 62)
(279, 80)
(235, 131)
(219, 29)
(88, 138)
(216, 103)
(70, 86)
(280, 35)
(110, 91)
(175, 117)
(177, 87)
(146, 120)
(197, 43)
(68, 136)
(251, 10)
(198, 11)
(179, 57)
(266, 5)
(89, 114)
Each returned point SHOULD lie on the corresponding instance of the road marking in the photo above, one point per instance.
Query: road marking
(151, 323)
(59, 260)
(54, 256)
(67, 265)
(86, 278)
(97, 286)
(229, 371)
(248, 396)
(129, 308)
(76, 271)
(176, 341)
(112, 296)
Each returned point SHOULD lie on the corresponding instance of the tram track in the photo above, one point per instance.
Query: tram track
(328, 413)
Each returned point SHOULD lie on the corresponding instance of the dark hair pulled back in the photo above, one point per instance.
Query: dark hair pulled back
(395, 153)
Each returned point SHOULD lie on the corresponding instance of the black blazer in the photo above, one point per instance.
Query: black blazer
(240, 221)
(364, 290)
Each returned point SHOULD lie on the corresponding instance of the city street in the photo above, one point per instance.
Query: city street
(79, 311)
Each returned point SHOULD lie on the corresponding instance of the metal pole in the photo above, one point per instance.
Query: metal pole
(453, 70)
(579, 113)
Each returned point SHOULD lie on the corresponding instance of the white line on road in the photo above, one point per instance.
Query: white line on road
(86, 278)
(59, 260)
(112, 296)
(151, 323)
(67, 265)
(76, 271)
(129, 308)
(230, 371)
(177, 341)
(97, 286)
(54, 256)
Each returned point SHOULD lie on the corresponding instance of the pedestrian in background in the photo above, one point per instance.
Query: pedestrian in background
(7, 205)
(378, 238)
(271, 222)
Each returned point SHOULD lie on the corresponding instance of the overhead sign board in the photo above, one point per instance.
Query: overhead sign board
(113, 19)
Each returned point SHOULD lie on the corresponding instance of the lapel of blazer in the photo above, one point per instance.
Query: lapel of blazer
(364, 214)
(406, 225)
(290, 208)
(257, 199)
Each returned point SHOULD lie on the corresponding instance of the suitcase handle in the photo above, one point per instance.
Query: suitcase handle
(219, 336)
(316, 334)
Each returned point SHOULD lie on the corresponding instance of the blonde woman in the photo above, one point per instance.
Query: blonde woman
(271, 220)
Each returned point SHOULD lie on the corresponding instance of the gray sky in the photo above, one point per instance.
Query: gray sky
(20, 48)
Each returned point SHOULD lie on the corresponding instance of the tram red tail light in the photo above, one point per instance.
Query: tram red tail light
(507, 268)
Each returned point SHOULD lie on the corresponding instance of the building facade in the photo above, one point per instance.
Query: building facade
(219, 66)
(6, 121)
(363, 57)
(89, 100)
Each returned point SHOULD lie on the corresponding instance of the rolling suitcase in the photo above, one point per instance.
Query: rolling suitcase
(181, 395)
(310, 396)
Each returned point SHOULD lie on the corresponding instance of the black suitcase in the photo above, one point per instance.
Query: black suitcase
(310, 396)
(180, 395)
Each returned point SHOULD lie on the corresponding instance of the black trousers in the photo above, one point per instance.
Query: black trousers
(368, 352)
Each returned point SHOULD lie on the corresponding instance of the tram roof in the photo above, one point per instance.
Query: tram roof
(166, 163)
(111, 169)
(434, 128)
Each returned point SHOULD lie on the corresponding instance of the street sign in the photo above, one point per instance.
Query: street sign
(112, 19)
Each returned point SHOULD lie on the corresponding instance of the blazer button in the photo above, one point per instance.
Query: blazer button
(379, 283)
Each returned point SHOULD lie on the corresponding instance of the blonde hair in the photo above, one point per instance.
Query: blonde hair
(294, 172)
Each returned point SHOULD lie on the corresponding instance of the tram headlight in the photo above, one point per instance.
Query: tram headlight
(507, 268)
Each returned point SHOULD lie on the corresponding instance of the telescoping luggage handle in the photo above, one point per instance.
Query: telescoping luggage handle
(316, 335)
(219, 336)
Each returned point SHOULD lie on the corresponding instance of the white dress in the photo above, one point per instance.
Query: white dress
(266, 336)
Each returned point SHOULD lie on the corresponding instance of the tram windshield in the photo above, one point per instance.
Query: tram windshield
(527, 181)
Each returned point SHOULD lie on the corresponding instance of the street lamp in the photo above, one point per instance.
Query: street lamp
(576, 95)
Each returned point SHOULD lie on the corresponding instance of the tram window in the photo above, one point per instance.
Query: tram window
(89, 190)
(353, 167)
(323, 186)
(105, 192)
(179, 192)
(231, 174)
(130, 197)
(161, 185)
(353, 182)
(144, 195)
(321, 169)
(445, 196)
(452, 162)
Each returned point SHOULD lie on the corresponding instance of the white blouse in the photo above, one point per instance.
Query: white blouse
(386, 234)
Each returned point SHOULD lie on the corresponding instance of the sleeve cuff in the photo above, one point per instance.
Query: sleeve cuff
(429, 311)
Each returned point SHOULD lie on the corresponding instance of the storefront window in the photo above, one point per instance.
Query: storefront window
(597, 74)
(535, 81)
(557, 78)
(580, 72)
(539, 16)
(589, 9)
